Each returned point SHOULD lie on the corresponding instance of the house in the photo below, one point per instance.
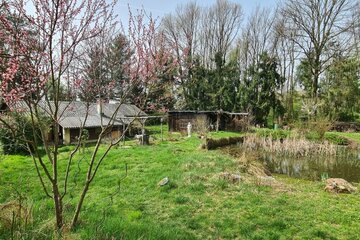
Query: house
(97, 115)
(75, 115)
(204, 120)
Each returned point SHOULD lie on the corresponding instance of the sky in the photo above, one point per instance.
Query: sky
(159, 8)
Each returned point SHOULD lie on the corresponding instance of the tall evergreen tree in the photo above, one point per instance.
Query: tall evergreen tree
(117, 57)
(304, 75)
(106, 67)
(261, 89)
(196, 88)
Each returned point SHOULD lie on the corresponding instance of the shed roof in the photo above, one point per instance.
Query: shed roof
(213, 112)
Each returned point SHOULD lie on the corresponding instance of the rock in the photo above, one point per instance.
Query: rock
(339, 185)
(233, 178)
(163, 181)
(266, 180)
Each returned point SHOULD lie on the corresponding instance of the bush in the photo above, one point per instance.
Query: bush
(274, 134)
(222, 142)
(315, 129)
(13, 140)
(346, 117)
(321, 126)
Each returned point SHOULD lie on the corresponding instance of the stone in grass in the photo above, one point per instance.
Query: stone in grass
(339, 185)
(266, 180)
(163, 181)
(233, 178)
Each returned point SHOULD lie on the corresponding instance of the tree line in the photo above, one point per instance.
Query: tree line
(296, 60)
(275, 63)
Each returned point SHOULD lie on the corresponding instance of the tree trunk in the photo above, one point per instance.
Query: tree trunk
(57, 197)
(80, 203)
(315, 87)
(58, 207)
(315, 84)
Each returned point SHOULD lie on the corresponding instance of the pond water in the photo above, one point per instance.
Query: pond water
(345, 165)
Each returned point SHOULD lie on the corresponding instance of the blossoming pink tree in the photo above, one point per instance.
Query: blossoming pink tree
(39, 50)
(152, 58)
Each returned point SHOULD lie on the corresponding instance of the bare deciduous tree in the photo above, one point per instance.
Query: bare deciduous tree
(259, 33)
(287, 53)
(221, 24)
(319, 25)
(181, 32)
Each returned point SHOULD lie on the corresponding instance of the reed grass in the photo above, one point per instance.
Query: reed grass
(296, 147)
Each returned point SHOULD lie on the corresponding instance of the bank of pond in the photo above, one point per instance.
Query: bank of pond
(296, 157)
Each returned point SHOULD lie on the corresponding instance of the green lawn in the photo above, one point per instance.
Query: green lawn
(196, 204)
(352, 136)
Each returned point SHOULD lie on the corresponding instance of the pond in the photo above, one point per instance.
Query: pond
(345, 165)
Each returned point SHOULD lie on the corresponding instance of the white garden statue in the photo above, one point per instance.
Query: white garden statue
(189, 127)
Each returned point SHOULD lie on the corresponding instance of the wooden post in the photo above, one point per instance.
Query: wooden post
(217, 121)
(123, 134)
(143, 121)
(161, 121)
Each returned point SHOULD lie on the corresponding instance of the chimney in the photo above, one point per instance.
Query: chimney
(99, 106)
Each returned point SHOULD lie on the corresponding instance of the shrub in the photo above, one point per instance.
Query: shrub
(14, 140)
(321, 126)
(314, 129)
(201, 126)
(222, 142)
(346, 117)
(275, 134)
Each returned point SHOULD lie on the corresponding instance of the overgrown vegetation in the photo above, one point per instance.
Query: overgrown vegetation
(290, 146)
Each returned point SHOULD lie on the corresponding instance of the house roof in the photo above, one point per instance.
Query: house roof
(74, 114)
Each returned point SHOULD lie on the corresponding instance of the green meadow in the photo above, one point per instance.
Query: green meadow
(126, 202)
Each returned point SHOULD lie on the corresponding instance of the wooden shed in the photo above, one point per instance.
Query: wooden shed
(200, 120)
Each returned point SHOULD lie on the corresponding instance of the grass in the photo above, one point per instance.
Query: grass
(196, 204)
(352, 136)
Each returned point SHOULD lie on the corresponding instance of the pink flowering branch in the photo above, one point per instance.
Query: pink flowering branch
(152, 58)
(38, 51)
